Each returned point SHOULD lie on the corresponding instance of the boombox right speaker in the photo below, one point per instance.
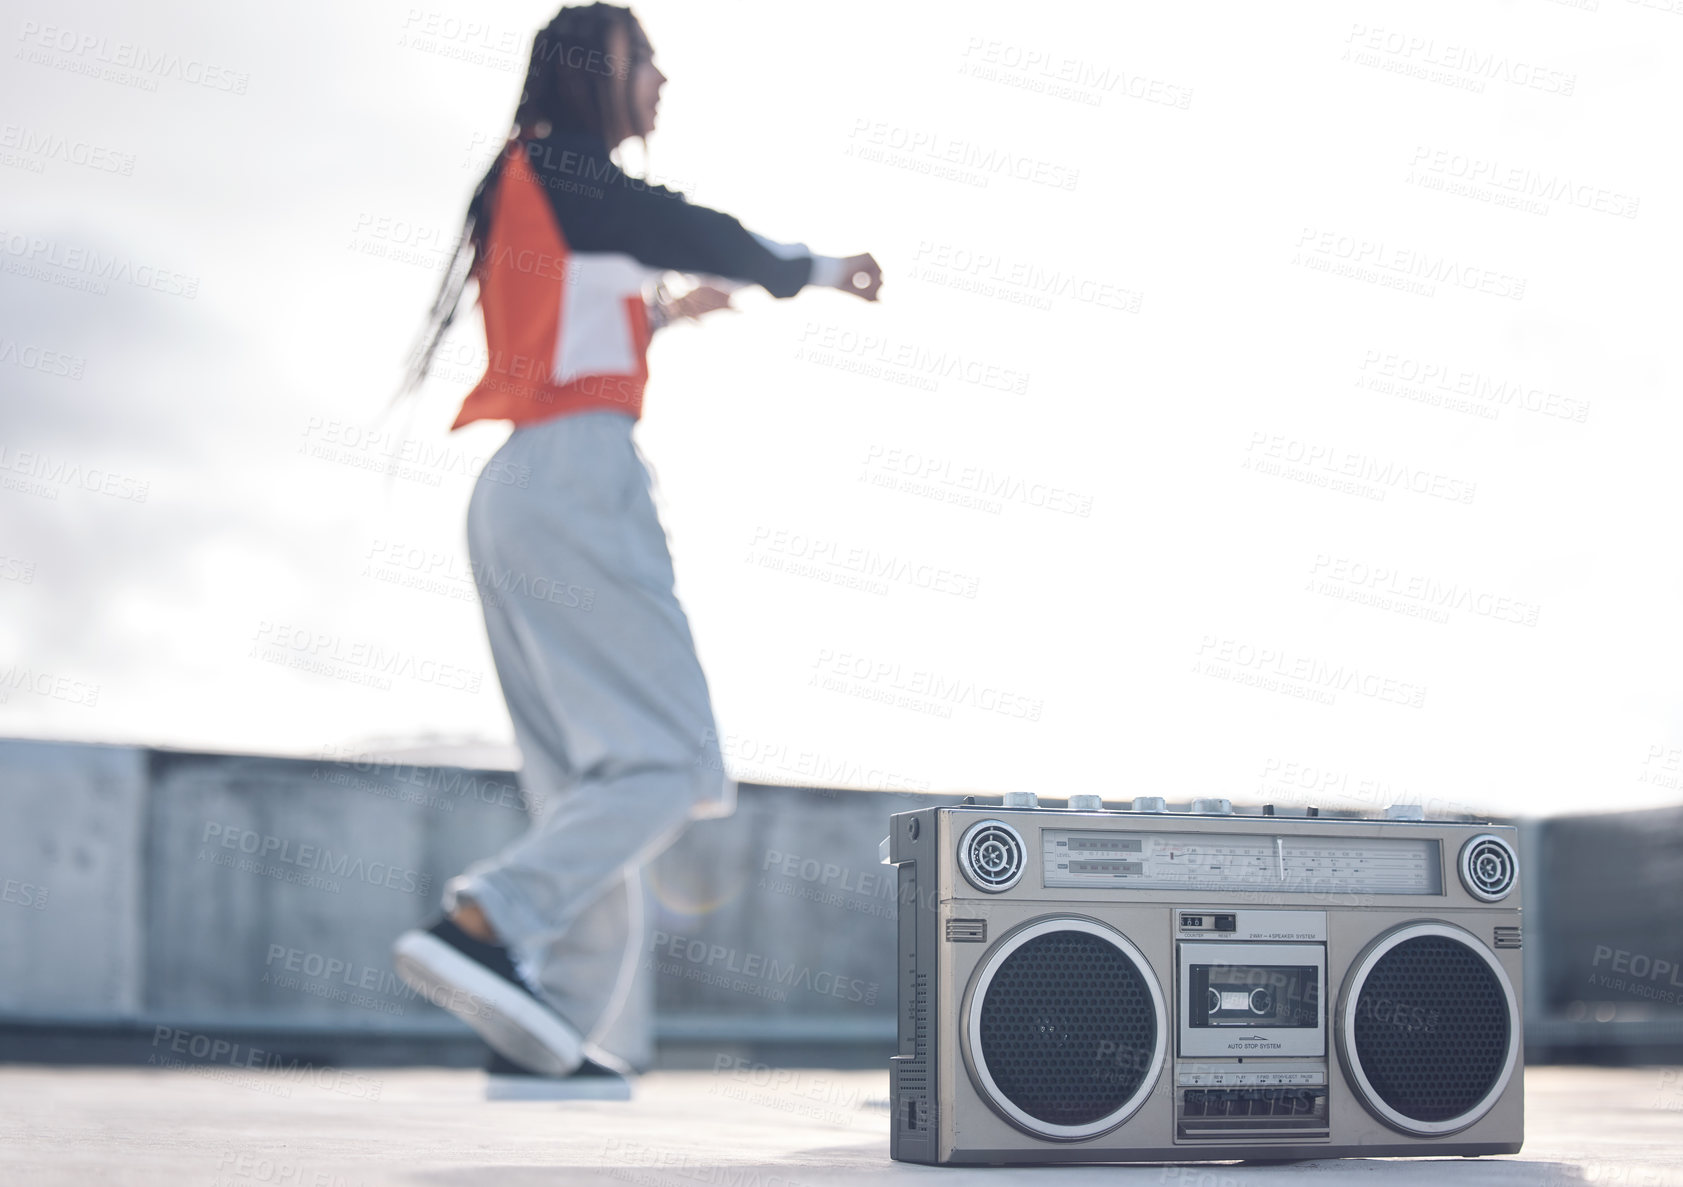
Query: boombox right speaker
(1082, 985)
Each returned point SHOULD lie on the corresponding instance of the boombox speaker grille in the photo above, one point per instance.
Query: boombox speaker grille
(1430, 1029)
(1067, 1028)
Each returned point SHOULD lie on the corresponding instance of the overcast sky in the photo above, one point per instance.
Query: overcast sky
(1270, 402)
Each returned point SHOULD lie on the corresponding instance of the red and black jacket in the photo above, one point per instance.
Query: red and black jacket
(574, 244)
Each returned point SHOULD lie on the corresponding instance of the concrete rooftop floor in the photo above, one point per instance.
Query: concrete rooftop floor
(358, 1127)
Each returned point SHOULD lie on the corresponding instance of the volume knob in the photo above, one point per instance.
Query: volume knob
(1150, 803)
(1086, 803)
(1021, 799)
(1212, 807)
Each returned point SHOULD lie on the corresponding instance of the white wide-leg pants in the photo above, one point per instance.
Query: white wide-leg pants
(610, 711)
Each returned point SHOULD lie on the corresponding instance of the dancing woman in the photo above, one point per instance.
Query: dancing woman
(539, 947)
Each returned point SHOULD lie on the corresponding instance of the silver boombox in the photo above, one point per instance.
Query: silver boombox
(1083, 985)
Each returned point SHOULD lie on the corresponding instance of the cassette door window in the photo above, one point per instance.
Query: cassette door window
(1252, 999)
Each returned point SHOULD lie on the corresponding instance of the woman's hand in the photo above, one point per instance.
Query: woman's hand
(704, 298)
(861, 276)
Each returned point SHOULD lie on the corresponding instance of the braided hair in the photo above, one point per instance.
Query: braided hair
(574, 82)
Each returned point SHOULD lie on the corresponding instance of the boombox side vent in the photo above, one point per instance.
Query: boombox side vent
(914, 1100)
(920, 1016)
(913, 1107)
(967, 931)
(911, 1098)
(1507, 937)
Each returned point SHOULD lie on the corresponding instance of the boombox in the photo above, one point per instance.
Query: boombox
(1142, 985)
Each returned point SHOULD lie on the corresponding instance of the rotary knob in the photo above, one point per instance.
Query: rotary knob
(1086, 803)
(1021, 799)
(1150, 803)
(1212, 807)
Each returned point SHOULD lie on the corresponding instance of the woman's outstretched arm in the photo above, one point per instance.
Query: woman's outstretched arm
(601, 209)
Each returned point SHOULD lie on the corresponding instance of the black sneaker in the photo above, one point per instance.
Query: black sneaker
(507, 1080)
(478, 983)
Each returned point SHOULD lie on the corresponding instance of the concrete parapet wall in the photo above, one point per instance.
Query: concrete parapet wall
(239, 891)
(73, 851)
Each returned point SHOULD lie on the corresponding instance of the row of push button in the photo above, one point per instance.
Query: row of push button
(1252, 1102)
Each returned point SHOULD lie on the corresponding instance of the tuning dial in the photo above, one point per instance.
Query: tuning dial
(1021, 799)
(1086, 803)
(1150, 803)
(1212, 807)
(1405, 812)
